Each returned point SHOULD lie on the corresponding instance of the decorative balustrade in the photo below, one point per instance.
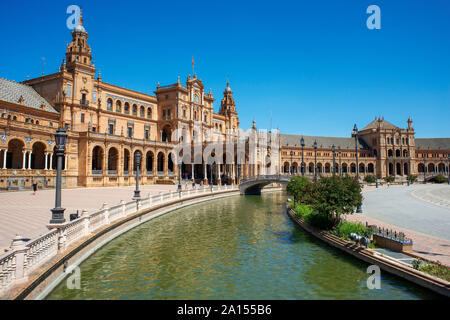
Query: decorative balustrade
(17, 263)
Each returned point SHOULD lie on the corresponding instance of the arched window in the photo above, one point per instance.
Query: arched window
(149, 113)
(127, 108)
(118, 106)
(134, 110)
(142, 112)
(109, 105)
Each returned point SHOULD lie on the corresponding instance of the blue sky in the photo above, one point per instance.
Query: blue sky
(313, 65)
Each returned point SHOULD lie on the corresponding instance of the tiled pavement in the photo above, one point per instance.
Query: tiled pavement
(425, 222)
(26, 214)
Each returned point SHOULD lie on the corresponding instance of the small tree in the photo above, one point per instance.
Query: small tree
(412, 178)
(297, 187)
(389, 179)
(331, 197)
(439, 179)
(370, 178)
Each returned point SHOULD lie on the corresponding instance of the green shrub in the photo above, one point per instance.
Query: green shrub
(302, 211)
(412, 178)
(439, 179)
(370, 178)
(344, 229)
(389, 179)
(320, 220)
(296, 187)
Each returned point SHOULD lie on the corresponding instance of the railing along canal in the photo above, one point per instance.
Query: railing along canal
(24, 257)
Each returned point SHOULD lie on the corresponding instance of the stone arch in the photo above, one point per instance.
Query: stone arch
(149, 113)
(344, 168)
(294, 167)
(126, 108)
(119, 106)
(431, 168)
(109, 104)
(170, 164)
(38, 155)
(398, 153)
(113, 159)
(142, 112)
(134, 110)
(319, 167)
(391, 169)
(126, 160)
(390, 153)
(311, 167)
(405, 153)
(353, 167)
(97, 158)
(286, 167)
(327, 167)
(441, 168)
(399, 169)
(370, 168)
(14, 157)
(160, 163)
(420, 168)
(362, 168)
(149, 161)
(405, 169)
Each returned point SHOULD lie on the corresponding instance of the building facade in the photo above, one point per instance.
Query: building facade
(108, 125)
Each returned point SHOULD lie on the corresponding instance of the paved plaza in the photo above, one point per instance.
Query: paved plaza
(420, 211)
(27, 215)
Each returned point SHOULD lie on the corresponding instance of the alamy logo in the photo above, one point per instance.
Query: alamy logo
(374, 280)
(74, 280)
(74, 18)
(374, 20)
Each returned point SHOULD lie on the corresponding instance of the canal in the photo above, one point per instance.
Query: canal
(241, 247)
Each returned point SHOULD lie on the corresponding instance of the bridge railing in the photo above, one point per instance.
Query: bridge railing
(25, 256)
(273, 177)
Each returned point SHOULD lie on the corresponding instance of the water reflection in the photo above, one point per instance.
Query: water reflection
(233, 248)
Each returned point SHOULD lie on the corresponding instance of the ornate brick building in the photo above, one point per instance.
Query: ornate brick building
(108, 125)
(383, 150)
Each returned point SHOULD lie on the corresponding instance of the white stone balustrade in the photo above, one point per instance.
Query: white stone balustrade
(24, 257)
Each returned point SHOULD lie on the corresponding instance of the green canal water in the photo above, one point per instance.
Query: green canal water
(241, 247)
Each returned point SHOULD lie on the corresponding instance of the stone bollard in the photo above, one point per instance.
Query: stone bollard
(122, 203)
(105, 212)
(18, 245)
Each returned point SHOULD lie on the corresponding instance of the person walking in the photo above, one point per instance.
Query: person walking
(34, 187)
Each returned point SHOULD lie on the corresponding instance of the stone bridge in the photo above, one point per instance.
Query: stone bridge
(253, 185)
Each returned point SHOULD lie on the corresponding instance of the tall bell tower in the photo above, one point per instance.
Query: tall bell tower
(228, 109)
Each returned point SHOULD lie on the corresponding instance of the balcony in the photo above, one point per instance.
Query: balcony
(112, 172)
(97, 172)
(84, 103)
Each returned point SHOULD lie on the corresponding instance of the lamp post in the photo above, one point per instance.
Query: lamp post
(355, 134)
(333, 149)
(303, 163)
(424, 168)
(60, 145)
(179, 176)
(292, 167)
(448, 168)
(340, 166)
(315, 159)
(137, 192)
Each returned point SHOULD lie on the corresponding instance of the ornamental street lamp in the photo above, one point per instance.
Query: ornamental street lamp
(60, 145)
(333, 149)
(137, 192)
(292, 166)
(340, 166)
(315, 159)
(448, 168)
(303, 163)
(355, 134)
(424, 168)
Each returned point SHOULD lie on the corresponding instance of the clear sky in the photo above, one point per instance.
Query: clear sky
(313, 67)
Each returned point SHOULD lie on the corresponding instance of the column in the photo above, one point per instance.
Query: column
(29, 160)
(51, 161)
(4, 158)
(24, 154)
(192, 170)
(205, 175)
(218, 174)
(65, 162)
(46, 161)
